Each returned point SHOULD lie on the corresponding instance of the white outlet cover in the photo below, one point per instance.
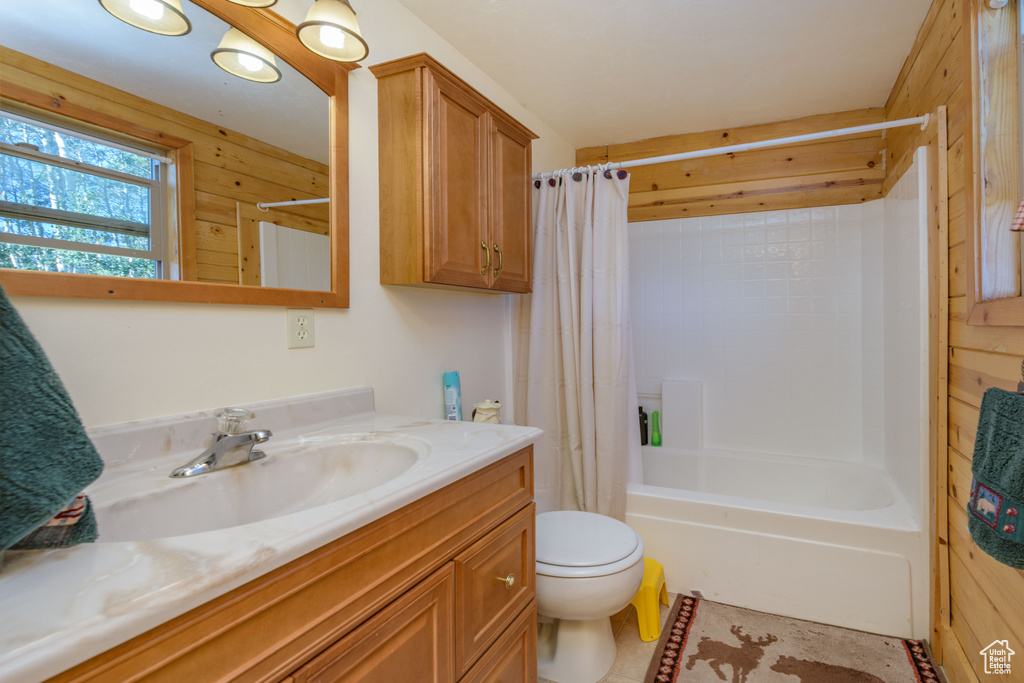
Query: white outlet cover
(300, 328)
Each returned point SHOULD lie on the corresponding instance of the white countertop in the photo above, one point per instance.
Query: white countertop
(62, 607)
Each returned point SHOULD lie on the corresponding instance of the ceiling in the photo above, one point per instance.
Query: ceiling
(596, 71)
(607, 71)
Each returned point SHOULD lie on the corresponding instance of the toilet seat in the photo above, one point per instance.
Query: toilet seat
(583, 544)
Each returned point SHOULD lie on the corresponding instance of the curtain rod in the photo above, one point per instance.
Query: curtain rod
(615, 165)
(264, 206)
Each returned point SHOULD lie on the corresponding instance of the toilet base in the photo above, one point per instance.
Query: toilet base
(584, 651)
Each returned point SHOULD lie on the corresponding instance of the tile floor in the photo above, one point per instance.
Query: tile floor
(634, 655)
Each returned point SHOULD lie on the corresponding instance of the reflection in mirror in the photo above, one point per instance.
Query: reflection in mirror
(211, 146)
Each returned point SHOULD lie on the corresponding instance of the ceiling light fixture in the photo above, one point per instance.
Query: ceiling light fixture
(255, 3)
(331, 31)
(163, 17)
(241, 56)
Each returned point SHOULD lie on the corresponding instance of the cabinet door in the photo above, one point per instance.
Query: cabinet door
(513, 658)
(410, 640)
(494, 581)
(510, 208)
(456, 248)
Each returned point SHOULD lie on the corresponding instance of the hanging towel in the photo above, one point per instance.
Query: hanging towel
(46, 459)
(996, 505)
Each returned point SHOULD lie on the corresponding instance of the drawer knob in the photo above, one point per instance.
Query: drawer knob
(509, 581)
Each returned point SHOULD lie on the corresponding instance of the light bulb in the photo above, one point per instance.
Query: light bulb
(249, 62)
(147, 8)
(332, 36)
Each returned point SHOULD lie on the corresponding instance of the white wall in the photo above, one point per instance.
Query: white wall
(130, 360)
(765, 309)
(806, 327)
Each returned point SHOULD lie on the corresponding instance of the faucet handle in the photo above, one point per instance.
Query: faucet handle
(233, 420)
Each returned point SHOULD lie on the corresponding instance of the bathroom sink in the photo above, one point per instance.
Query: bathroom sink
(295, 476)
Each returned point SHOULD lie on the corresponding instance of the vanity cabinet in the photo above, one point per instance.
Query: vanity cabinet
(454, 182)
(441, 590)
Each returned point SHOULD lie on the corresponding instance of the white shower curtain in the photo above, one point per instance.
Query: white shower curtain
(574, 372)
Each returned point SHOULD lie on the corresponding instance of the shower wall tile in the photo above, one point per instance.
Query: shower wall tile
(765, 309)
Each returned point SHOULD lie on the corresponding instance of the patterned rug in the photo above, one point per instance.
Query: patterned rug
(709, 641)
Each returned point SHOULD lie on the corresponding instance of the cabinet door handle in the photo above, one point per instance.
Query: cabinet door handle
(509, 581)
(498, 269)
(483, 271)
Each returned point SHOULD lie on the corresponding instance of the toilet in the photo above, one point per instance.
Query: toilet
(588, 568)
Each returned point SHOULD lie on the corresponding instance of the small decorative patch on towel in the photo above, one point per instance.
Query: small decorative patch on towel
(60, 531)
(997, 512)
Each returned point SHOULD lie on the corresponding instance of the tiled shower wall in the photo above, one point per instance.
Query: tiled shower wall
(767, 310)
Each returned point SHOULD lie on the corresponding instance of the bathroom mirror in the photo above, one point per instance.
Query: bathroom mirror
(299, 150)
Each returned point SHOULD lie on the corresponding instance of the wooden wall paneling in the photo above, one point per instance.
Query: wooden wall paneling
(845, 154)
(687, 142)
(958, 270)
(941, 12)
(982, 337)
(824, 189)
(963, 425)
(826, 172)
(955, 662)
(972, 372)
(936, 91)
(957, 218)
(248, 244)
(938, 368)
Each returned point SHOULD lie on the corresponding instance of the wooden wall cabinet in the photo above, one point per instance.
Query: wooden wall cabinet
(455, 173)
(442, 590)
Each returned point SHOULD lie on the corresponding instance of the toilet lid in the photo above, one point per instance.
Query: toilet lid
(583, 539)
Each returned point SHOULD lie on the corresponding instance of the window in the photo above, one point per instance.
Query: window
(72, 202)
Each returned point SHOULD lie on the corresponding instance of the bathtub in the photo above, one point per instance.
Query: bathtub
(832, 542)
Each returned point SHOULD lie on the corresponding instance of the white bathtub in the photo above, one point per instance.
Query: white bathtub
(832, 542)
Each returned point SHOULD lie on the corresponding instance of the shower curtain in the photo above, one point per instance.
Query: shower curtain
(574, 371)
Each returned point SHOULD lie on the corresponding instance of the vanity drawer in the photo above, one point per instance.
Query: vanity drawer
(494, 581)
(408, 641)
(513, 657)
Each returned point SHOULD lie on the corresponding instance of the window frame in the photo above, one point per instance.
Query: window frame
(160, 193)
(993, 162)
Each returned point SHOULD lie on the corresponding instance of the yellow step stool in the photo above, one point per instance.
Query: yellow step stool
(648, 615)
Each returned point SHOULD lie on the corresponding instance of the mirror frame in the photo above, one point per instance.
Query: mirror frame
(278, 35)
(991, 197)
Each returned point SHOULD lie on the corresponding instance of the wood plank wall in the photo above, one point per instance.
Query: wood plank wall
(985, 598)
(844, 170)
(229, 167)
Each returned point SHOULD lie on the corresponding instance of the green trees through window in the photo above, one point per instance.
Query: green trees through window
(69, 203)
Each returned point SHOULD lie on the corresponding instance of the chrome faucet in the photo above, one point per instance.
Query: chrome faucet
(231, 446)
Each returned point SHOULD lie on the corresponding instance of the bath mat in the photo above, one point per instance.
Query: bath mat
(712, 642)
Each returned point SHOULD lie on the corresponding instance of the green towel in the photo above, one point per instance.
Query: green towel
(996, 507)
(46, 459)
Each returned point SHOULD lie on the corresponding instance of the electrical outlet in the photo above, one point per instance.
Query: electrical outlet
(300, 328)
